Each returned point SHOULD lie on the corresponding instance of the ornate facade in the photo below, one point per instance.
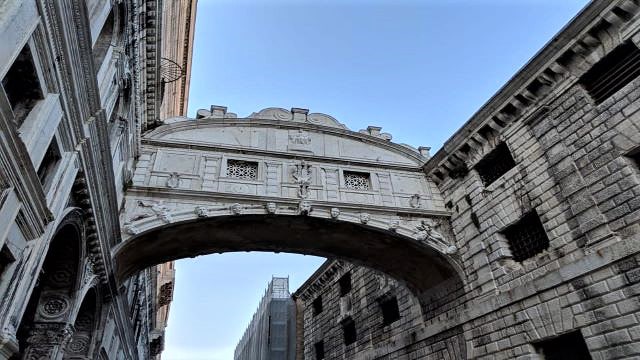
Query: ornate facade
(520, 238)
(81, 80)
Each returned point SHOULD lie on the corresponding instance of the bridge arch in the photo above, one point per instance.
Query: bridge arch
(287, 181)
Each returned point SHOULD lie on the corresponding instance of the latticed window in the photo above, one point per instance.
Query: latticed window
(239, 169)
(565, 346)
(356, 180)
(612, 72)
(495, 164)
(526, 237)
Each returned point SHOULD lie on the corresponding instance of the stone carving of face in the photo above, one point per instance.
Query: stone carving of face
(394, 225)
(201, 211)
(364, 218)
(236, 209)
(271, 207)
(305, 207)
(335, 212)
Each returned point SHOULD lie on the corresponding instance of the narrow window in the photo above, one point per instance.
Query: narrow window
(345, 284)
(22, 86)
(612, 72)
(6, 258)
(317, 305)
(238, 169)
(349, 331)
(495, 164)
(319, 349)
(103, 42)
(526, 237)
(566, 346)
(49, 163)
(390, 311)
(357, 181)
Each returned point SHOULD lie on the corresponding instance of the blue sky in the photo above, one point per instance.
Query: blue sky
(419, 69)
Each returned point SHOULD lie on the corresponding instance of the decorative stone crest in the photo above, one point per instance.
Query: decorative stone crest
(304, 207)
(50, 333)
(365, 217)
(428, 235)
(335, 213)
(299, 141)
(302, 177)
(79, 343)
(174, 180)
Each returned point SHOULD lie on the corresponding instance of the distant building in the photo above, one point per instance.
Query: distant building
(271, 333)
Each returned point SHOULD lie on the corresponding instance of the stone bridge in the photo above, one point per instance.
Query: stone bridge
(285, 181)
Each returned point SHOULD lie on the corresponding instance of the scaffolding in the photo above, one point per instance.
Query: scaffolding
(271, 333)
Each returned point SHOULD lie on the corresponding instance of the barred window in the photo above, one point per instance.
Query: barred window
(565, 346)
(526, 237)
(239, 169)
(495, 164)
(357, 180)
(612, 72)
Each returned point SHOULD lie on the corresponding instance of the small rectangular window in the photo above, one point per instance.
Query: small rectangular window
(566, 346)
(345, 284)
(635, 157)
(239, 169)
(495, 164)
(357, 180)
(390, 311)
(317, 305)
(349, 331)
(319, 349)
(526, 237)
(612, 72)
(49, 163)
(22, 86)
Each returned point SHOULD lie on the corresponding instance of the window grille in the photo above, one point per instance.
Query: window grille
(22, 86)
(238, 169)
(345, 284)
(356, 180)
(527, 237)
(566, 346)
(612, 72)
(390, 311)
(319, 348)
(317, 305)
(349, 331)
(495, 164)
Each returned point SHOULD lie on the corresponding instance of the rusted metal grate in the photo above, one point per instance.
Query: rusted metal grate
(495, 164)
(526, 237)
(612, 72)
(239, 169)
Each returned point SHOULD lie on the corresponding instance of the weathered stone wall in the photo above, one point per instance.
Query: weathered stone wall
(575, 167)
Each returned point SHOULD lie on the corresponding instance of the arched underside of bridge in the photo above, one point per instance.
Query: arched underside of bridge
(419, 267)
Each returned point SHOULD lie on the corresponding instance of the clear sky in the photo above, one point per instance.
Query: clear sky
(419, 69)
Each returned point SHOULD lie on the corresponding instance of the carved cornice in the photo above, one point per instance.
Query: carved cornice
(319, 279)
(586, 39)
(381, 142)
(152, 53)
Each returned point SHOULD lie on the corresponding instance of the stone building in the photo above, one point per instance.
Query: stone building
(542, 185)
(271, 334)
(518, 239)
(81, 80)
